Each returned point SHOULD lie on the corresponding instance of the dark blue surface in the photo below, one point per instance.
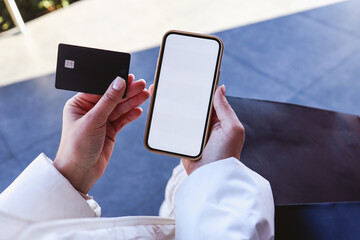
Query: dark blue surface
(241, 80)
(310, 58)
(330, 221)
(338, 89)
(9, 170)
(343, 16)
(30, 112)
(4, 148)
(293, 51)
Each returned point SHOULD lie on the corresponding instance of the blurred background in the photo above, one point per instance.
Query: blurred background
(29, 10)
(304, 52)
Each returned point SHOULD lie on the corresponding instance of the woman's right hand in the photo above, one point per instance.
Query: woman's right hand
(227, 134)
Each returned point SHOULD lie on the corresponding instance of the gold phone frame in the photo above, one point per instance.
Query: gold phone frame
(210, 108)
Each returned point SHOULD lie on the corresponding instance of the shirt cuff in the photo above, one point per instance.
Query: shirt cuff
(224, 200)
(42, 193)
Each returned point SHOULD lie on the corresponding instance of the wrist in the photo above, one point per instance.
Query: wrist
(190, 166)
(81, 178)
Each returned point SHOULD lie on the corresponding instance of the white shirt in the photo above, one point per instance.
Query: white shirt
(221, 200)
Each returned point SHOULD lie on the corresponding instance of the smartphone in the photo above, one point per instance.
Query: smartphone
(186, 77)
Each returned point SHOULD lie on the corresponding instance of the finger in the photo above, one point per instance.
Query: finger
(151, 89)
(214, 118)
(127, 118)
(224, 112)
(133, 102)
(107, 103)
(91, 98)
(135, 88)
(82, 101)
(131, 78)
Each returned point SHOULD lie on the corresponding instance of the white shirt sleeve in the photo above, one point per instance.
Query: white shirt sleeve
(224, 200)
(42, 193)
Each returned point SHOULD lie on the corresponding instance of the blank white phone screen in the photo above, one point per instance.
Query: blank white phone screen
(183, 94)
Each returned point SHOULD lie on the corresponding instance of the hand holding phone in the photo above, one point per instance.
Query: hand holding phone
(186, 78)
(227, 134)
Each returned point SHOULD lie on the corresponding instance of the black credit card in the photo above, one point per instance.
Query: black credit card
(89, 70)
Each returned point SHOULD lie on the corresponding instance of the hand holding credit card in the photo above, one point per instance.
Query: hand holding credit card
(89, 70)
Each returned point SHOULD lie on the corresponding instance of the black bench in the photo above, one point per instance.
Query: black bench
(311, 157)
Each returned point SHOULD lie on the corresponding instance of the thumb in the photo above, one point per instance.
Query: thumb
(107, 103)
(151, 89)
(224, 112)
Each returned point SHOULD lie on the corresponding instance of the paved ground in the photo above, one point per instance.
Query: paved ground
(311, 58)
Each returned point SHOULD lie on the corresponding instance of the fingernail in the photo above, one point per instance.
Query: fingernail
(223, 89)
(118, 83)
(132, 75)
